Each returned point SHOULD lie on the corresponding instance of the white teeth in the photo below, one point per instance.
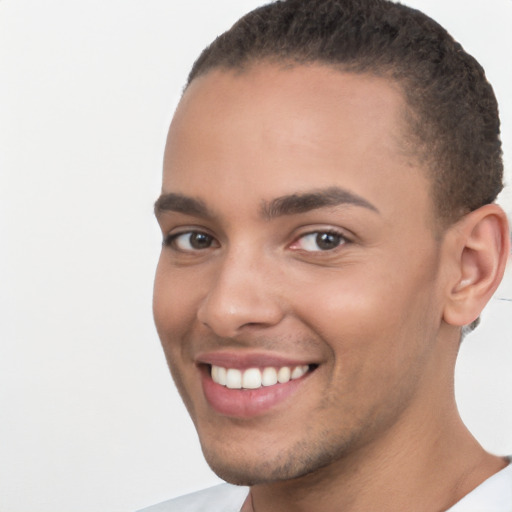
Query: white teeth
(254, 378)
(299, 371)
(269, 377)
(233, 378)
(284, 374)
(221, 375)
(251, 379)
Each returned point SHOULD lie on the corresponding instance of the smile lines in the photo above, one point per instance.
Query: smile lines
(254, 378)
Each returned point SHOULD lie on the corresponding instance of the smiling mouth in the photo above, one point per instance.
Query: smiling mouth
(247, 386)
(256, 378)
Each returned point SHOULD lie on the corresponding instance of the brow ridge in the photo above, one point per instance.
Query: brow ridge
(281, 206)
(304, 202)
(174, 202)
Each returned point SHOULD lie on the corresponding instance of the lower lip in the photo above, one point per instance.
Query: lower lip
(246, 403)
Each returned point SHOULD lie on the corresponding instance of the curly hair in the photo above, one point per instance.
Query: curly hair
(453, 120)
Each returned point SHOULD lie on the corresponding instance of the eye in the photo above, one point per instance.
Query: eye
(190, 241)
(319, 241)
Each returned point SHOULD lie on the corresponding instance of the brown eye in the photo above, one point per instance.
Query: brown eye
(200, 240)
(190, 241)
(320, 241)
(327, 241)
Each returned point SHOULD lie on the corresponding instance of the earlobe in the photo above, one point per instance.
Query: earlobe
(480, 248)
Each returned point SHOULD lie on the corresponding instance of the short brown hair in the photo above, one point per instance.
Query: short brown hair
(454, 123)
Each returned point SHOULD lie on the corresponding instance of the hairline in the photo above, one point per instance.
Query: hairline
(408, 140)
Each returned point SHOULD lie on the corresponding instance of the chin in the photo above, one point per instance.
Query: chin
(240, 468)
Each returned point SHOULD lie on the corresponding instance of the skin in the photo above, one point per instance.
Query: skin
(370, 312)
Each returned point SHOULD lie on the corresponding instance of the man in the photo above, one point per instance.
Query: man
(329, 231)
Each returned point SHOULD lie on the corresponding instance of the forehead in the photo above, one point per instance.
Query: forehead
(289, 128)
(297, 102)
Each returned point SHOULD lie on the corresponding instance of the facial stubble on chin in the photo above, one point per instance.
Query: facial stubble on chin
(303, 458)
(313, 457)
(316, 451)
(307, 459)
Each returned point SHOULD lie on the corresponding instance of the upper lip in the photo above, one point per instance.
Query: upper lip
(243, 360)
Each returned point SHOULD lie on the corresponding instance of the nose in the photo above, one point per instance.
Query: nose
(243, 294)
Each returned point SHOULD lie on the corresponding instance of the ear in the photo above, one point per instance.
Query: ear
(479, 249)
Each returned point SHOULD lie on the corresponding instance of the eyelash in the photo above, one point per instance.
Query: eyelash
(340, 239)
(170, 240)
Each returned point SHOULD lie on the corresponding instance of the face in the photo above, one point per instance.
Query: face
(298, 293)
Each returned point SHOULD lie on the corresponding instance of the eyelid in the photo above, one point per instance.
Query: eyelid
(346, 238)
(169, 238)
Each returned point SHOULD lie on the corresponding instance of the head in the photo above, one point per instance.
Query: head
(326, 235)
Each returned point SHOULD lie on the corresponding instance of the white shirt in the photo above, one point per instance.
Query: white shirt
(493, 495)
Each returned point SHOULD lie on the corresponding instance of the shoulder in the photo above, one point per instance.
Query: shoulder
(493, 495)
(221, 498)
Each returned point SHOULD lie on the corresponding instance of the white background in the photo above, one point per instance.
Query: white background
(89, 418)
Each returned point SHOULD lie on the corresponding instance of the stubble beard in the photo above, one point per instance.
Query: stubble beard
(319, 454)
(301, 459)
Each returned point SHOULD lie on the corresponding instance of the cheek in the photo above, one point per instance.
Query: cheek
(371, 312)
(345, 300)
(174, 296)
(174, 314)
(380, 339)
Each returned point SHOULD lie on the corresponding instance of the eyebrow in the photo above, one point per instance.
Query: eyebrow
(181, 204)
(302, 203)
(280, 206)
